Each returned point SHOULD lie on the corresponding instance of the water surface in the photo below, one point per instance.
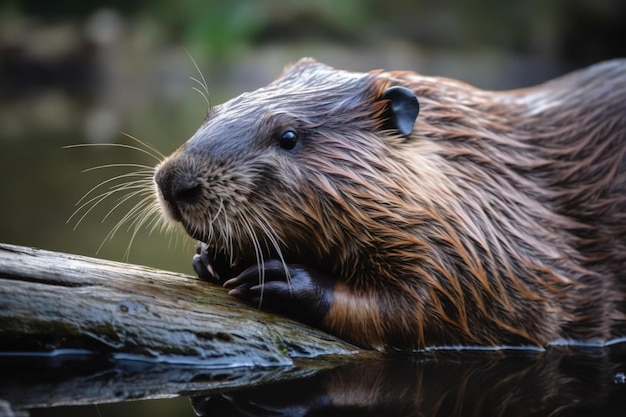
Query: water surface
(559, 381)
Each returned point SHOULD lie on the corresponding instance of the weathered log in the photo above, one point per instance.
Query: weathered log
(52, 301)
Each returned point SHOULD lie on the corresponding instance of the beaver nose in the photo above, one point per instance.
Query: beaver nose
(178, 189)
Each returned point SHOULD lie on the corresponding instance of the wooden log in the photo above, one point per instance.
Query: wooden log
(58, 302)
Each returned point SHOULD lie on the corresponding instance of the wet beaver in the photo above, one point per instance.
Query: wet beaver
(493, 218)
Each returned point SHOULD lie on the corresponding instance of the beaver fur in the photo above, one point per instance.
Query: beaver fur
(499, 219)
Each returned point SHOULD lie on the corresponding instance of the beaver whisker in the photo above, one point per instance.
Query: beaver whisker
(141, 174)
(146, 174)
(202, 83)
(123, 165)
(148, 214)
(258, 252)
(211, 223)
(143, 187)
(139, 183)
(202, 94)
(219, 210)
(204, 86)
(209, 233)
(147, 145)
(141, 190)
(273, 238)
(94, 201)
(227, 236)
(132, 174)
(116, 145)
(136, 210)
(100, 197)
(134, 213)
(158, 221)
(146, 182)
(139, 220)
(205, 230)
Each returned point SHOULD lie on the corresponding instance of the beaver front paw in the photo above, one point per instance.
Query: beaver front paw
(292, 290)
(202, 264)
(214, 265)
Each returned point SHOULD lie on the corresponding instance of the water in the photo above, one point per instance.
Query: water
(558, 381)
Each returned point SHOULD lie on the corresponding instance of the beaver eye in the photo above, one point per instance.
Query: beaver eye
(288, 140)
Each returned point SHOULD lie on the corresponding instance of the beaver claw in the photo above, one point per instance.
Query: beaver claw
(214, 265)
(202, 264)
(288, 289)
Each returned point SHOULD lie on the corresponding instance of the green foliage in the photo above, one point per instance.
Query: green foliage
(223, 27)
(217, 25)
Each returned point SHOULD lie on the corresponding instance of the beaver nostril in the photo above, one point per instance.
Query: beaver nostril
(176, 189)
(189, 195)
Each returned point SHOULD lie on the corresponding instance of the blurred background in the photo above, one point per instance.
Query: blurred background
(74, 71)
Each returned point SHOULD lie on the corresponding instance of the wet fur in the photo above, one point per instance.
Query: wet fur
(501, 220)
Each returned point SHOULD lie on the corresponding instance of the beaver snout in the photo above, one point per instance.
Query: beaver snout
(178, 189)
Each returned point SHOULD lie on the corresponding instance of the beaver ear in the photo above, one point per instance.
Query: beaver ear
(402, 109)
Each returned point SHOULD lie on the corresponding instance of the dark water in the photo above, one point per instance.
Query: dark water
(555, 382)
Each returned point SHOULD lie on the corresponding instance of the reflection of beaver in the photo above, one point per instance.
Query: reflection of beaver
(554, 383)
(495, 218)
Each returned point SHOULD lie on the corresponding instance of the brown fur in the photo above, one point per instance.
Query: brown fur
(500, 220)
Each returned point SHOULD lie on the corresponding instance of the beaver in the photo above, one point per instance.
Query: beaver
(492, 219)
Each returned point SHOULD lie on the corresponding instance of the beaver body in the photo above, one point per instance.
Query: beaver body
(492, 218)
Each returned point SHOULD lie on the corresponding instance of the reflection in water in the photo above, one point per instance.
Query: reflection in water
(557, 382)
(552, 383)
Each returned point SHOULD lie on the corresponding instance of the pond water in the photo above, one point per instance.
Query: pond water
(558, 381)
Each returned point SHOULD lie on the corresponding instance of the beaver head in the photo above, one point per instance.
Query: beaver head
(282, 169)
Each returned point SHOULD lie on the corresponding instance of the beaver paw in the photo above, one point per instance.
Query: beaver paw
(292, 290)
(213, 265)
(202, 264)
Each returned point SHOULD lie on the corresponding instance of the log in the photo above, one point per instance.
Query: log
(61, 303)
